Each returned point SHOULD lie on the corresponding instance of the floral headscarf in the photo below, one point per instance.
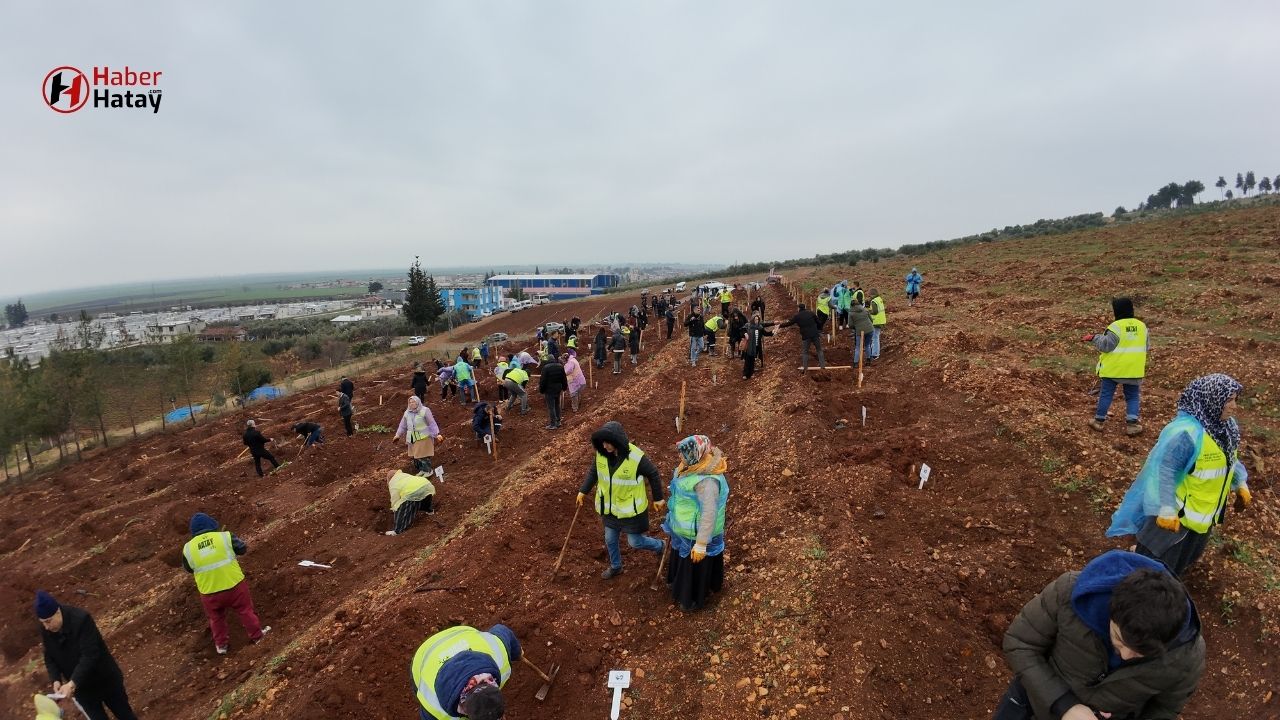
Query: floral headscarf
(699, 456)
(1204, 400)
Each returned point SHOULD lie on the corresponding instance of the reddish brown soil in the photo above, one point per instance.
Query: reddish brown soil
(849, 592)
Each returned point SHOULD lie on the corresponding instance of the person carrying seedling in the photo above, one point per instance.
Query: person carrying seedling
(409, 494)
(210, 556)
(1123, 361)
(257, 444)
(1187, 480)
(619, 475)
(312, 433)
(79, 664)
(1118, 639)
(879, 320)
(695, 522)
(459, 672)
(420, 432)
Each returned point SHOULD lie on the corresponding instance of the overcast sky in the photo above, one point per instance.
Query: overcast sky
(319, 136)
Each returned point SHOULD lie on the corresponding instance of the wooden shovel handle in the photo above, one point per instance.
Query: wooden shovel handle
(526, 661)
(565, 547)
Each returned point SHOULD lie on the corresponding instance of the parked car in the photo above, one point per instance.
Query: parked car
(495, 338)
(540, 300)
(417, 340)
(486, 313)
(554, 327)
(680, 286)
(517, 306)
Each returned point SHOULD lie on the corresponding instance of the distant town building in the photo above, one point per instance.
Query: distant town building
(557, 287)
(165, 331)
(475, 301)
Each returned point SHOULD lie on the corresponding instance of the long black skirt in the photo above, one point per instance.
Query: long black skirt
(692, 582)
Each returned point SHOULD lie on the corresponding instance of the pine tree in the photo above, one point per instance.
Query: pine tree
(1221, 184)
(417, 309)
(1249, 182)
(434, 304)
(1240, 181)
(1264, 185)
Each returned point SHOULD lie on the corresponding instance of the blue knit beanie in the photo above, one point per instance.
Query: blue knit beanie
(46, 606)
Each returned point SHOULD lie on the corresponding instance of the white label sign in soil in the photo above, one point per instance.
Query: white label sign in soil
(924, 475)
(618, 679)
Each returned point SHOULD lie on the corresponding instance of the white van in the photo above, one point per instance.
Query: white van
(680, 287)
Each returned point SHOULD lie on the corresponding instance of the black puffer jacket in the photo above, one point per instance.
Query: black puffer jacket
(78, 653)
(552, 381)
(613, 433)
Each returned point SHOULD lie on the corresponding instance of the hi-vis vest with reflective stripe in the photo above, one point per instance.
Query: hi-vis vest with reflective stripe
(622, 494)
(417, 426)
(517, 376)
(685, 511)
(213, 562)
(573, 342)
(1129, 359)
(879, 317)
(824, 305)
(726, 296)
(439, 648)
(461, 372)
(1202, 494)
(713, 324)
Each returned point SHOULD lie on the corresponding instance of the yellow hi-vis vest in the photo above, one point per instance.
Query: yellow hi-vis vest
(417, 426)
(879, 316)
(573, 342)
(713, 324)
(213, 562)
(622, 494)
(1129, 359)
(726, 296)
(439, 649)
(1202, 494)
(824, 305)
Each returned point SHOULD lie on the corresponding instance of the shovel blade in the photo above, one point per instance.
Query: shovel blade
(546, 687)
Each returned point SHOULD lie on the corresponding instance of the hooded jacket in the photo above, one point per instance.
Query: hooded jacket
(613, 433)
(860, 319)
(347, 388)
(1060, 648)
(201, 524)
(419, 382)
(553, 381)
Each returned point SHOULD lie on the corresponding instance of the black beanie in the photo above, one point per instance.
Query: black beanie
(1122, 307)
(485, 703)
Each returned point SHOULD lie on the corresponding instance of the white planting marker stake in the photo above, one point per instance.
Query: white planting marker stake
(488, 443)
(618, 680)
(440, 473)
(308, 563)
(924, 475)
(864, 416)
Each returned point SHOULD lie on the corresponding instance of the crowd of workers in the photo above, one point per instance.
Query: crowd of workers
(1119, 638)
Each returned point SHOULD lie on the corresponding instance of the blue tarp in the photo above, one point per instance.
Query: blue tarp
(266, 392)
(183, 413)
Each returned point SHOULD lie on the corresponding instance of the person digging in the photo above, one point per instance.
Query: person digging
(459, 672)
(619, 475)
(210, 557)
(409, 494)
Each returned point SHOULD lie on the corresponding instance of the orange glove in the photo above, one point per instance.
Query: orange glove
(698, 553)
(1172, 524)
(581, 497)
(1245, 495)
(660, 505)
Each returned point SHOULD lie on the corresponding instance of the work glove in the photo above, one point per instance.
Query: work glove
(439, 438)
(698, 552)
(1169, 522)
(1243, 498)
(581, 497)
(1087, 338)
(660, 505)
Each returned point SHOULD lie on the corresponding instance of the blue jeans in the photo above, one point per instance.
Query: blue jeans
(875, 342)
(695, 346)
(867, 340)
(315, 437)
(1107, 393)
(635, 540)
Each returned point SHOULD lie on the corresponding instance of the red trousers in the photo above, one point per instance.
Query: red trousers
(238, 599)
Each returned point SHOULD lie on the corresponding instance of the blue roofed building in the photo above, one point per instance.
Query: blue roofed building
(475, 301)
(557, 287)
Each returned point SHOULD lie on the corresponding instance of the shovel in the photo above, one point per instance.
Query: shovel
(547, 679)
(666, 550)
(308, 563)
(565, 547)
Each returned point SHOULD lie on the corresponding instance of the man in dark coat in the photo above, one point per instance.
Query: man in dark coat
(757, 331)
(619, 475)
(697, 329)
(669, 313)
(809, 335)
(551, 383)
(257, 444)
(80, 665)
(1119, 639)
(345, 410)
(312, 432)
(599, 347)
(346, 387)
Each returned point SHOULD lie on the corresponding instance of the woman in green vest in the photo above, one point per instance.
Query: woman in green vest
(1123, 361)
(619, 475)
(695, 522)
(1188, 477)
